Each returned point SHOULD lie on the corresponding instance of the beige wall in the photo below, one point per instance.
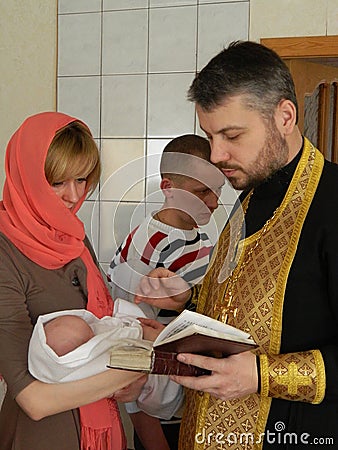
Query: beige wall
(28, 63)
(291, 18)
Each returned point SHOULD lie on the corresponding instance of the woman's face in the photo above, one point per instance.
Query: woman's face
(70, 191)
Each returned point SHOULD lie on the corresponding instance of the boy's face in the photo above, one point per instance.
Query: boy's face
(195, 201)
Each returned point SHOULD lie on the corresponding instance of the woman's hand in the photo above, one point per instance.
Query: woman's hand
(131, 392)
(151, 328)
(163, 289)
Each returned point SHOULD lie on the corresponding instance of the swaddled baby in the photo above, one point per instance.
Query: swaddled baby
(74, 344)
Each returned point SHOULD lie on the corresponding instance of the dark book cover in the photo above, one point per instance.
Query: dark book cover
(164, 355)
(202, 344)
(190, 332)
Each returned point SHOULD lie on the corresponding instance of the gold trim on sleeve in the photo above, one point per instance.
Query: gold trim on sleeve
(297, 376)
(264, 369)
(321, 377)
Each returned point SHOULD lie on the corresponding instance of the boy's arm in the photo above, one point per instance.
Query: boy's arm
(149, 431)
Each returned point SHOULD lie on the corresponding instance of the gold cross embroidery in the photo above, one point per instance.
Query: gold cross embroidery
(247, 425)
(254, 319)
(292, 380)
(229, 420)
(224, 311)
(214, 416)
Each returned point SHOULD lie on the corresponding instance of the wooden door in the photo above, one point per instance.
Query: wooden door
(316, 89)
(313, 62)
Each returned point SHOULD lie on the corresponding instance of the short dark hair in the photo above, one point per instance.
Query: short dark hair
(189, 144)
(244, 68)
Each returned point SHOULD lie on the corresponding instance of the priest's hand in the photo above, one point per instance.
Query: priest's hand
(163, 289)
(232, 377)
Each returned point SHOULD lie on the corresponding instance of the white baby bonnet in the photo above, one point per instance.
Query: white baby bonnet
(90, 358)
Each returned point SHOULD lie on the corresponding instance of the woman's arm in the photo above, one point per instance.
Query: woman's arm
(26, 292)
(39, 400)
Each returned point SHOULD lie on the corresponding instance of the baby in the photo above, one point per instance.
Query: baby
(74, 344)
(65, 333)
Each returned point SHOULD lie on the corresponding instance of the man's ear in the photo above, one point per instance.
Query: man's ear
(166, 185)
(286, 117)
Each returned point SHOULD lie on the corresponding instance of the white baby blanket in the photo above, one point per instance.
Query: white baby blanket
(160, 397)
(90, 358)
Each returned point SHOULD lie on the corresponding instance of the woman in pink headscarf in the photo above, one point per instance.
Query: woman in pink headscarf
(47, 265)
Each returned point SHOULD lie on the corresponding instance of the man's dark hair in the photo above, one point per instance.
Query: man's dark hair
(189, 144)
(244, 68)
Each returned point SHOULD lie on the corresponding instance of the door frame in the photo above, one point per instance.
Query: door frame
(304, 47)
(320, 49)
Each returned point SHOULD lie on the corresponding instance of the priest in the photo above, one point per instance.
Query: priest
(273, 271)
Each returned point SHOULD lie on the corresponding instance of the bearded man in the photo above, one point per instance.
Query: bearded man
(273, 272)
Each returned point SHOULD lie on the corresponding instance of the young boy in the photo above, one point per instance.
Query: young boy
(169, 238)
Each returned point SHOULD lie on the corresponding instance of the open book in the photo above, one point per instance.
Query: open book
(190, 332)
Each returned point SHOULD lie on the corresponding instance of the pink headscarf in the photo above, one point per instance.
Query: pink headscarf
(36, 221)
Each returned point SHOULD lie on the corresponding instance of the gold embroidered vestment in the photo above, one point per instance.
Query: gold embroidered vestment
(263, 265)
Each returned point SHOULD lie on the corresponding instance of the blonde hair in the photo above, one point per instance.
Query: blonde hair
(73, 153)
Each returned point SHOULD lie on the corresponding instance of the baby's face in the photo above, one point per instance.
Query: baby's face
(65, 333)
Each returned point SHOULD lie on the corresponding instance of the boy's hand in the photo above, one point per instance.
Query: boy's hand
(163, 289)
(151, 328)
(131, 392)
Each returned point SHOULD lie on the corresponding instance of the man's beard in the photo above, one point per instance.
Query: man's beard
(271, 158)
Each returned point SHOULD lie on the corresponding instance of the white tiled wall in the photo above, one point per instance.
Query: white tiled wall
(124, 68)
(219, 24)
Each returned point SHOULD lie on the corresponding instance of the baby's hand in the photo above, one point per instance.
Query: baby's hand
(151, 328)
